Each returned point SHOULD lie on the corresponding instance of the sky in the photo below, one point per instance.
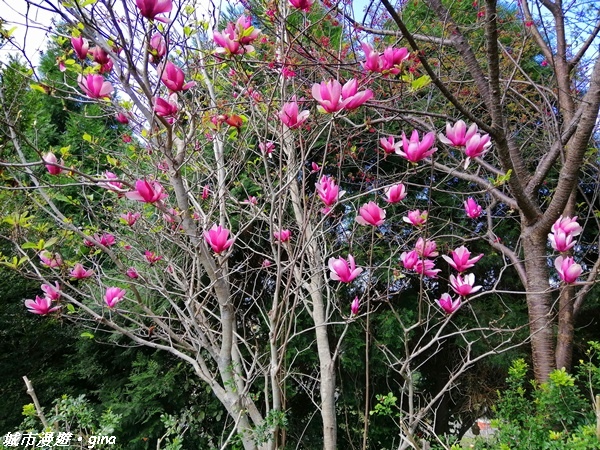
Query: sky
(32, 28)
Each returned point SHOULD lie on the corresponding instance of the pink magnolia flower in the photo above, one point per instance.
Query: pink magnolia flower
(389, 145)
(370, 214)
(567, 225)
(61, 64)
(426, 248)
(342, 270)
(355, 306)
(266, 263)
(147, 192)
(561, 241)
(152, 257)
(80, 45)
(122, 118)
(51, 292)
(157, 48)
(227, 42)
(302, 5)
(94, 86)
(282, 236)
(51, 260)
(106, 239)
(458, 135)
(236, 38)
(290, 116)
(372, 62)
(460, 259)
(393, 58)
(41, 306)
(416, 217)
(251, 200)
(409, 259)
(447, 304)
(151, 8)
(333, 97)
(426, 267)
(205, 192)
(464, 285)
(217, 238)
(50, 160)
(174, 79)
(101, 57)
(567, 269)
(132, 273)
(113, 296)
(246, 33)
(472, 209)
(79, 272)
(328, 192)
(414, 149)
(267, 148)
(477, 146)
(130, 218)
(166, 108)
(353, 98)
(110, 184)
(314, 167)
(395, 193)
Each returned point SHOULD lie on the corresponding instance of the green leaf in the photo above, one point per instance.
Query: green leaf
(29, 410)
(420, 82)
(37, 87)
(10, 32)
(50, 242)
(70, 308)
(87, 334)
(86, 137)
(501, 179)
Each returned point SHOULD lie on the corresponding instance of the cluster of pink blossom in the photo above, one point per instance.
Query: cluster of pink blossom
(413, 149)
(43, 305)
(388, 63)
(461, 284)
(470, 140)
(418, 259)
(236, 38)
(562, 240)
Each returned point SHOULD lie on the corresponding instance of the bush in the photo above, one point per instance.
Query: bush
(558, 414)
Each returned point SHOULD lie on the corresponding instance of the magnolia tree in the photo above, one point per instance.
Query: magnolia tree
(293, 175)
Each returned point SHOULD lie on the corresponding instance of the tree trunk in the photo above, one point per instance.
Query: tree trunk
(539, 301)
